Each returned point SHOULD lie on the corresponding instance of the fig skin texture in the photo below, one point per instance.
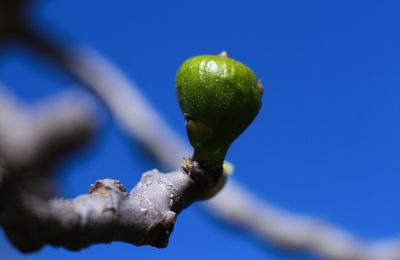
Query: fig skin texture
(219, 98)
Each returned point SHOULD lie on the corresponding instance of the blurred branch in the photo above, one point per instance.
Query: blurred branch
(295, 232)
(233, 204)
(135, 116)
(32, 138)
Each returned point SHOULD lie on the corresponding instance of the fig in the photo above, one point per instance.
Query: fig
(219, 98)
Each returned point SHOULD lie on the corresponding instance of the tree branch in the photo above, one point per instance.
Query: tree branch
(118, 94)
(31, 138)
(260, 218)
(233, 204)
(144, 216)
(295, 232)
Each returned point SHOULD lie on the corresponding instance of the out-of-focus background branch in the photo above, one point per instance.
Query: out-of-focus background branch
(270, 224)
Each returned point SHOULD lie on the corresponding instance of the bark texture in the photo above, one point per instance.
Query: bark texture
(144, 216)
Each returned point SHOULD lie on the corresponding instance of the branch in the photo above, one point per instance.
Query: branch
(272, 224)
(295, 232)
(144, 216)
(233, 204)
(124, 100)
(31, 138)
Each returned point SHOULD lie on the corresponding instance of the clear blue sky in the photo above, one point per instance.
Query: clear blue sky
(327, 141)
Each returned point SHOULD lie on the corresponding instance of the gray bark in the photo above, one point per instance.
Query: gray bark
(144, 216)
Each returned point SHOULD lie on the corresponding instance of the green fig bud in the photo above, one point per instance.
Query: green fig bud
(219, 98)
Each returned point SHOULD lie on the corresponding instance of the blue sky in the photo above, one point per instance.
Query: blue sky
(326, 141)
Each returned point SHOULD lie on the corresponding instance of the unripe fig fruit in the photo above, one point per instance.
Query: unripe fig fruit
(219, 98)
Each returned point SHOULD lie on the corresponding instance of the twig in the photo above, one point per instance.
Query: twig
(140, 121)
(144, 216)
(258, 217)
(296, 232)
(233, 204)
(29, 143)
(31, 138)
(134, 114)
